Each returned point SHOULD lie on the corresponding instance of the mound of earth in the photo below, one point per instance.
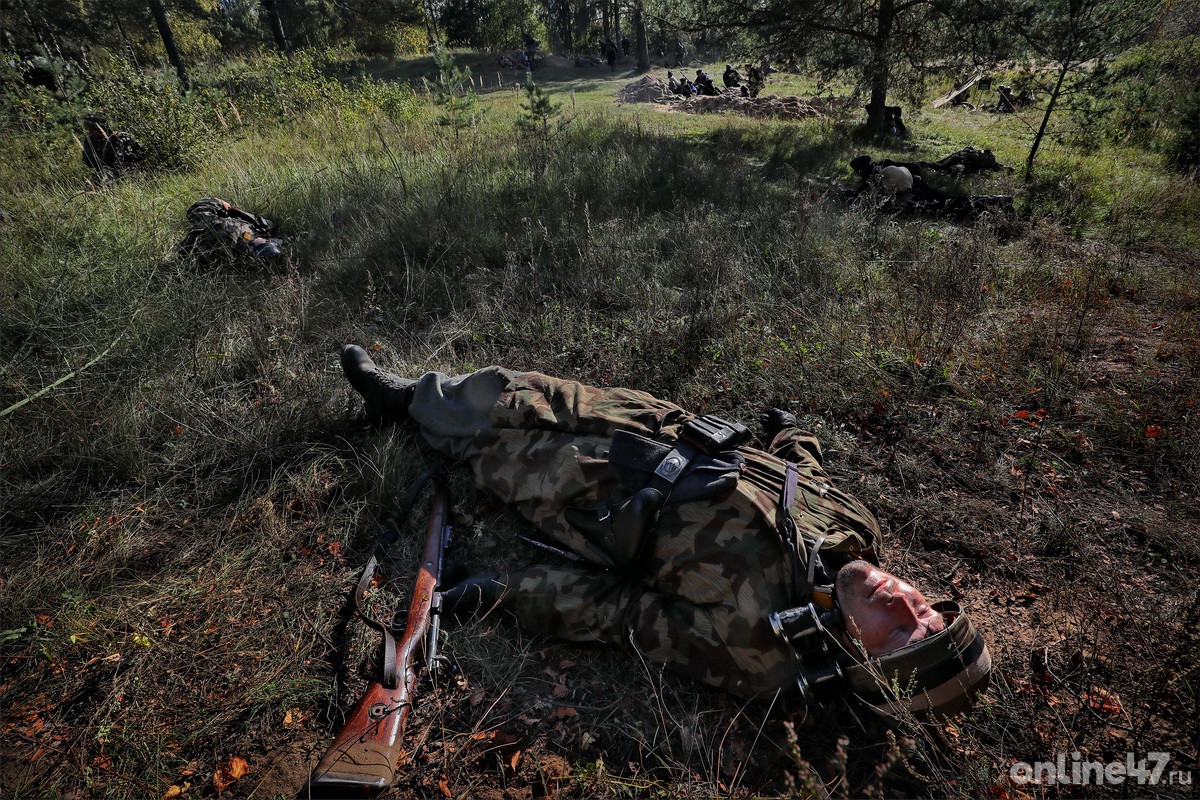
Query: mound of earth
(652, 90)
(769, 106)
(647, 90)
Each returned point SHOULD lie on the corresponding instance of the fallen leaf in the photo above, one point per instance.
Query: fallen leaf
(1103, 700)
(1153, 431)
(229, 772)
(444, 786)
(565, 711)
(174, 791)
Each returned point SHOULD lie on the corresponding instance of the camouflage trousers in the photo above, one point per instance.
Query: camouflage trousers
(713, 570)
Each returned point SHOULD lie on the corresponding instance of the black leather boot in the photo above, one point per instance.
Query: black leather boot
(386, 396)
(476, 596)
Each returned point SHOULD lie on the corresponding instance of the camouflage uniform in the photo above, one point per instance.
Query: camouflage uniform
(219, 228)
(713, 570)
(110, 153)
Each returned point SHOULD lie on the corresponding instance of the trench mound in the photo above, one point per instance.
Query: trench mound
(647, 90)
(653, 90)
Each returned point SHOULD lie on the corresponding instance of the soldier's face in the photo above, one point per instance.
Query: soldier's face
(881, 611)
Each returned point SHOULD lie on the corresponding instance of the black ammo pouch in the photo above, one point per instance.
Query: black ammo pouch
(702, 463)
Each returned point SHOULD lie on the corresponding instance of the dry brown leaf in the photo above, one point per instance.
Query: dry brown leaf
(229, 772)
(1103, 700)
(174, 791)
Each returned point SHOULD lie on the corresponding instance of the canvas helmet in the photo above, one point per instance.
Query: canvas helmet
(939, 676)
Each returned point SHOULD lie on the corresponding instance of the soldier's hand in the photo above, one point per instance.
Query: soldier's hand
(265, 224)
(774, 420)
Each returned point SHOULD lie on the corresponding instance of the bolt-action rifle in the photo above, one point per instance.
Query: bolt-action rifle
(363, 758)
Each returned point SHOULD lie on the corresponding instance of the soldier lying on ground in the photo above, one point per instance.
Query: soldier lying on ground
(111, 154)
(899, 186)
(967, 161)
(742, 567)
(220, 230)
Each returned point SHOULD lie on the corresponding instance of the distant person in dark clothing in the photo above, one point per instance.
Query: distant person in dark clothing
(754, 79)
(625, 46)
(1007, 103)
(731, 78)
(610, 54)
(110, 153)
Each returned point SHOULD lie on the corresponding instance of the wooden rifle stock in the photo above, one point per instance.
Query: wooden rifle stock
(363, 758)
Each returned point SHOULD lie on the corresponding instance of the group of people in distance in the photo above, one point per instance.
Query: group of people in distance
(749, 86)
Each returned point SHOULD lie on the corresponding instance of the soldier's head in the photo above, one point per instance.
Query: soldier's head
(265, 249)
(882, 612)
(96, 126)
(917, 657)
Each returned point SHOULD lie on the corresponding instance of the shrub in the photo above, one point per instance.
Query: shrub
(1183, 151)
(174, 128)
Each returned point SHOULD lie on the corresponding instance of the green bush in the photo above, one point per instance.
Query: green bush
(1183, 151)
(1150, 92)
(176, 130)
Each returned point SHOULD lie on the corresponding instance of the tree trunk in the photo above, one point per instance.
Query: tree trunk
(642, 43)
(124, 37)
(37, 29)
(164, 30)
(431, 27)
(553, 24)
(275, 24)
(582, 20)
(880, 67)
(604, 19)
(565, 26)
(1037, 138)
